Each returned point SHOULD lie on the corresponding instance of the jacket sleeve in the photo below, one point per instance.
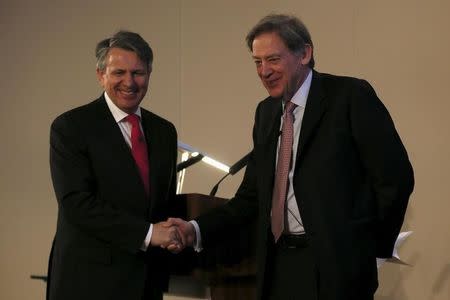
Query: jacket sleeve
(386, 161)
(237, 212)
(77, 191)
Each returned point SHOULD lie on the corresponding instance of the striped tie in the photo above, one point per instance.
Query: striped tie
(282, 172)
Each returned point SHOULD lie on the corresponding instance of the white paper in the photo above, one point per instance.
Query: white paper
(395, 256)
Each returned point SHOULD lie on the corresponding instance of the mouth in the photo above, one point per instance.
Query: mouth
(128, 93)
(272, 83)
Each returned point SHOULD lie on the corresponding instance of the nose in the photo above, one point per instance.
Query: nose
(128, 80)
(265, 70)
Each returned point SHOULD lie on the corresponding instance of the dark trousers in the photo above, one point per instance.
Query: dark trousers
(153, 295)
(291, 272)
(152, 292)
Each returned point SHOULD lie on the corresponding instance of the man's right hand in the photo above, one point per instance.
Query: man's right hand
(186, 232)
(165, 234)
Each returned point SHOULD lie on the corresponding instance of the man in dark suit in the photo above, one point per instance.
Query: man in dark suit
(328, 180)
(113, 166)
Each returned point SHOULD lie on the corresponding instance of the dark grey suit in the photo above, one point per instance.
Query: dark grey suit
(352, 182)
(104, 213)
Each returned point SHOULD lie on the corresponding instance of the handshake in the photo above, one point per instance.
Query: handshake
(174, 235)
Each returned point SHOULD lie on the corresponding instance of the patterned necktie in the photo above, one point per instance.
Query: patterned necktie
(282, 172)
(139, 150)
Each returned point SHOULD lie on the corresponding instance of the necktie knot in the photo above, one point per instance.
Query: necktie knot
(289, 107)
(133, 119)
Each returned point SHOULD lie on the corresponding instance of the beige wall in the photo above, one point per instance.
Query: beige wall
(205, 83)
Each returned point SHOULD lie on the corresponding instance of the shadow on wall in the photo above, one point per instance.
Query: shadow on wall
(442, 282)
(393, 289)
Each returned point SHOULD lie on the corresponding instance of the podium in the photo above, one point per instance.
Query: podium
(228, 268)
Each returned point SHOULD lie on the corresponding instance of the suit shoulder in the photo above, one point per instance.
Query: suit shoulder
(158, 120)
(79, 114)
(345, 89)
(268, 103)
(330, 81)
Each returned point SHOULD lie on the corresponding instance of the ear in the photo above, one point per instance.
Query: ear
(100, 75)
(150, 69)
(306, 55)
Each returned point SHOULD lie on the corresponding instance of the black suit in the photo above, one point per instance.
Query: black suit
(352, 182)
(104, 213)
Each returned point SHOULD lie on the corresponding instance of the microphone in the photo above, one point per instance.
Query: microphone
(39, 277)
(187, 163)
(240, 164)
(233, 170)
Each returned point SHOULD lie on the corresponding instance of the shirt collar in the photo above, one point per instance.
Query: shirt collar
(301, 95)
(117, 113)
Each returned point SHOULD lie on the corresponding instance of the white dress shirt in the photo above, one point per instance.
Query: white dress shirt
(294, 223)
(125, 127)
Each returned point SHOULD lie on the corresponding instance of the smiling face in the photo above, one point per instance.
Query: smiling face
(125, 79)
(281, 71)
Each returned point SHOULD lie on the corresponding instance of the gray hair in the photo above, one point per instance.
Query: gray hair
(126, 40)
(290, 29)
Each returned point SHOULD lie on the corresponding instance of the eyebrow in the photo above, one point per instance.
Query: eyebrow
(267, 57)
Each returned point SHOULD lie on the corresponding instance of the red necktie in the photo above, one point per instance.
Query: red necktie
(139, 150)
(282, 172)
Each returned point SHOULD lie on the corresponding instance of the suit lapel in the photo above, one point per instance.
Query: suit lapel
(154, 145)
(273, 119)
(110, 131)
(314, 110)
(269, 140)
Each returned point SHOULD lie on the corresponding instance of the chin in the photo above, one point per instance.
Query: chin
(129, 107)
(275, 94)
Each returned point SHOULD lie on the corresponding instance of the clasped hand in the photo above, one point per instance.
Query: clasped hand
(174, 235)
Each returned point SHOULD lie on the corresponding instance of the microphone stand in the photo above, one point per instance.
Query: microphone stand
(216, 187)
(233, 170)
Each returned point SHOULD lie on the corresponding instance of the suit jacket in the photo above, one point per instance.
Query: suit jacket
(352, 181)
(104, 213)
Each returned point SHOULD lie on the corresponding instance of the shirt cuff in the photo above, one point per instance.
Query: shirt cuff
(148, 238)
(198, 238)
